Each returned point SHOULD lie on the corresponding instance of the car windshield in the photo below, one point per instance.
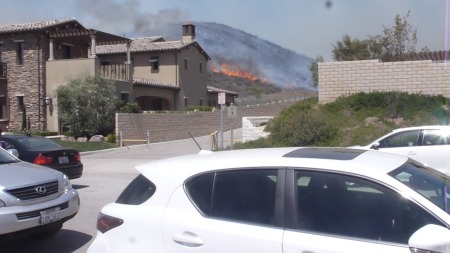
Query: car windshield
(430, 183)
(37, 143)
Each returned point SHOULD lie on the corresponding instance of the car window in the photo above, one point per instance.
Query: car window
(402, 139)
(435, 137)
(137, 192)
(240, 195)
(347, 206)
(430, 183)
(37, 143)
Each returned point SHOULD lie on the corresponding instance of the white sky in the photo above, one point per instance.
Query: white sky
(305, 26)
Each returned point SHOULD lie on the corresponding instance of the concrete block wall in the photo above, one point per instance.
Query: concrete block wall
(348, 77)
(178, 125)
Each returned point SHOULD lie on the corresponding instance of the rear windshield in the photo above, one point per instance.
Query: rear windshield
(137, 192)
(38, 143)
(430, 183)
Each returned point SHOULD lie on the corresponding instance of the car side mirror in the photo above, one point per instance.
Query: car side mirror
(13, 152)
(375, 146)
(430, 238)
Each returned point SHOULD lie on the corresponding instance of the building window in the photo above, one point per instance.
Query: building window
(154, 62)
(3, 109)
(1, 50)
(185, 63)
(20, 103)
(19, 52)
(125, 97)
(66, 52)
(200, 65)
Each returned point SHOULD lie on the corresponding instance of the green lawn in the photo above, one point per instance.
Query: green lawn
(86, 146)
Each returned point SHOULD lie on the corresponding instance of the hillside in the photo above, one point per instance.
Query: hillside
(239, 54)
(354, 120)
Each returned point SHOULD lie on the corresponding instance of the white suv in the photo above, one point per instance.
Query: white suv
(33, 199)
(429, 145)
(280, 200)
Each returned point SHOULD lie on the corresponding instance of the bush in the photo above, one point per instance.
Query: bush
(111, 138)
(131, 108)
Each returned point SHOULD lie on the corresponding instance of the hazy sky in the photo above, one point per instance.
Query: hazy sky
(306, 26)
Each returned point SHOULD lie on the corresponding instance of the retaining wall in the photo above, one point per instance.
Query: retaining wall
(348, 77)
(177, 125)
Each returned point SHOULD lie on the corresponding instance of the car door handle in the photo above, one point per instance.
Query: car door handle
(411, 153)
(188, 239)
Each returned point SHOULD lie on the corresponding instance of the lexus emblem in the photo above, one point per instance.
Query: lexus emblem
(41, 190)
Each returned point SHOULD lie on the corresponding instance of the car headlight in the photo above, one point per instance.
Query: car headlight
(2, 204)
(66, 183)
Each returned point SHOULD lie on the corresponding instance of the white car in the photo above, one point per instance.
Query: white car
(33, 199)
(280, 200)
(429, 145)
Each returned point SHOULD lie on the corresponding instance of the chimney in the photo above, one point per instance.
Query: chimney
(188, 32)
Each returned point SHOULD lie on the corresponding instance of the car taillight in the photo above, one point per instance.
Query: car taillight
(106, 222)
(42, 159)
(77, 157)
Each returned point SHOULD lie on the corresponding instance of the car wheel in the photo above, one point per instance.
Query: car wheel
(49, 231)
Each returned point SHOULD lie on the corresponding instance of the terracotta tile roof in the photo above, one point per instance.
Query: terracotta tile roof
(212, 89)
(153, 83)
(147, 44)
(34, 26)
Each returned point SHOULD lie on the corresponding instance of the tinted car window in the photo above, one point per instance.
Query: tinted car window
(403, 139)
(430, 183)
(435, 137)
(241, 195)
(347, 206)
(137, 192)
(199, 189)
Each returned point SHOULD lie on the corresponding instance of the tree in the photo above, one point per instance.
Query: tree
(87, 105)
(399, 40)
(350, 50)
(314, 68)
(393, 45)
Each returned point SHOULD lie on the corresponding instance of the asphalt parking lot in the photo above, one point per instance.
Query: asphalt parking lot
(106, 173)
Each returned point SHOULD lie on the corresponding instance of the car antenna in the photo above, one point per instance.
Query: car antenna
(198, 145)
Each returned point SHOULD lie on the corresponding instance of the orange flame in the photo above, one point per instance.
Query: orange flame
(234, 71)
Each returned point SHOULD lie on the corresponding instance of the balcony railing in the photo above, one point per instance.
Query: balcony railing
(3, 70)
(120, 72)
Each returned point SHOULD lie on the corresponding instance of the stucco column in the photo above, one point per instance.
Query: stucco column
(93, 47)
(128, 52)
(50, 46)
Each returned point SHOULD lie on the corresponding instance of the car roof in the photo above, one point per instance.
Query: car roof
(350, 160)
(443, 127)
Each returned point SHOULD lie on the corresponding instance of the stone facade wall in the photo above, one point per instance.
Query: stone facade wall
(27, 79)
(343, 78)
(174, 126)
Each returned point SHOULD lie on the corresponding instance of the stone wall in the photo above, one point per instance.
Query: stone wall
(25, 80)
(348, 77)
(177, 125)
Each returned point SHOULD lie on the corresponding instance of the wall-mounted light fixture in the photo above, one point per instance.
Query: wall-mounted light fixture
(48, 100)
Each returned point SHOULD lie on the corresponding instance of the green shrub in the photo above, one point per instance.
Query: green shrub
(111, 138)
(131, 108)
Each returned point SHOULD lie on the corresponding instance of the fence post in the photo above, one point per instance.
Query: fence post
(148, 139)
(120, 137)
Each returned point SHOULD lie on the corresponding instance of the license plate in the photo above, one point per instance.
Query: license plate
(63, 159)
(50, 215)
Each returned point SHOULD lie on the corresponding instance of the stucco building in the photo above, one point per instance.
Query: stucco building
(36, 58)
